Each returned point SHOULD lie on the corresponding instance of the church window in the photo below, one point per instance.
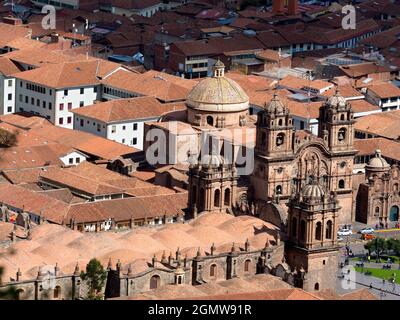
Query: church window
(278, 189)
(328, 233)
(280, 138)
(280, 122)
(341, 184)
(247, 265)
(217, 194)
(342, 117)
(227, 197)
(318, 231)
(377, 210)
(294, 227)
(316, 286)
(342, 134)
(213, 270)
(210, 121)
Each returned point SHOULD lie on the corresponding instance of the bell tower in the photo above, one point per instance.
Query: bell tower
(212, 185)
(312, 248)
(274, 130)
(336, 123)
(274, 151)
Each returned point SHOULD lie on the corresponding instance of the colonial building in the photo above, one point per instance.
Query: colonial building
(285, 159)
(378, 198)
(312, 246)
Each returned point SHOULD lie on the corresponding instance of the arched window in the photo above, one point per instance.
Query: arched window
(342, 134)
(294, 227)
(328, 233)
(318, 231)
(213, 270)
(280, 139)
(342, 117)
(155, 282)
(341, 184)
(57, 292)
(278, 189)
(302, 230)
(377, 211)
(247, 265)
(227, 197)
(210, 120)
(316, 286)
(217, 196)
(280, 122)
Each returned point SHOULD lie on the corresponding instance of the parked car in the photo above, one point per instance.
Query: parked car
(367, 230)
(344, 232)
(367, 236)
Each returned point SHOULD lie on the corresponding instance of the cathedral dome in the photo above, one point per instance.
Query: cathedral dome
(377, 162)
(313, 191)
(275, 105)
(218, 93)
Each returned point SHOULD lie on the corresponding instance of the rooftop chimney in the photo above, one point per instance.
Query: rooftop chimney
(278, 6)
(293, 7)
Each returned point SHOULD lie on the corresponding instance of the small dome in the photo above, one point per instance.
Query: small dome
(336, 100)
(275, 105)
(313, 191)
(378, 162)
(212, 160)
(218, 93)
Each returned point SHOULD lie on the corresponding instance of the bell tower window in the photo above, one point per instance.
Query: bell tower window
(342, 134)
(280, 139)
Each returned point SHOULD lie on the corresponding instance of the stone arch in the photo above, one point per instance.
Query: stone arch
(318, 231)
(217, 197)
(342, 133)
(213, 270)
(329, 230)
(394, 213)
(280, 139)
(19, 294)
(155, 282)
(227, 197)
(247, 265)
(57, 292)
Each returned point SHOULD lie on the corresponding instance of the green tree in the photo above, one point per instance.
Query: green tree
(95, 276)
(378, 245)
(394, 245)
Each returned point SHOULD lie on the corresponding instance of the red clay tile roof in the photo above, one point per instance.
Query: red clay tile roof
(388, 124)
(127, 109)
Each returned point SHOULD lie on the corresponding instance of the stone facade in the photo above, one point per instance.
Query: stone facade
(378, 198)
(286, 159)
(210, 267)
(312, 246)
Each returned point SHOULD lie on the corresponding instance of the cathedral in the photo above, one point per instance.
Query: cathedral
(300, 182)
